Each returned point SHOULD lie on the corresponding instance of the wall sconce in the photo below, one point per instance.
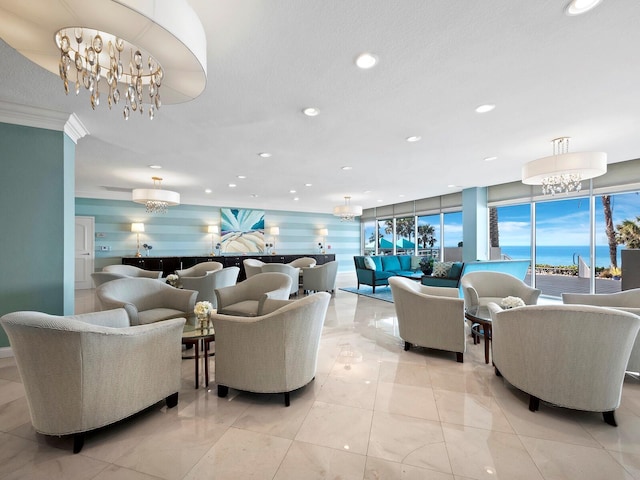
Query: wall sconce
(213, 230)
(137, 228)
(324, 233)
(274, 231)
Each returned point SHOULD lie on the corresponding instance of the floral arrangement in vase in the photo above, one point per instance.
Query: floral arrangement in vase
(426, 265)
(172, 279)
(203, 310)
(512, 302)
(147, 248)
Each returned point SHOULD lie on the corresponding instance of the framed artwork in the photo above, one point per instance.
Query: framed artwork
(242, 230)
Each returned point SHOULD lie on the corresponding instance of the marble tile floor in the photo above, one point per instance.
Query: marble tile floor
(374, 411)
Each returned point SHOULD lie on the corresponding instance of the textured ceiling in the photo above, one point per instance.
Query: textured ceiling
(548, 74)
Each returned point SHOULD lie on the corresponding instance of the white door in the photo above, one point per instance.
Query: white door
(85, 235)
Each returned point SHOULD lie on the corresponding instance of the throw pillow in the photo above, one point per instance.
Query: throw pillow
(369, 263)
(441, 269)
(415, 262)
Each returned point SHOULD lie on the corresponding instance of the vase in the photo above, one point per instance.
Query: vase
(202, 321)
(427, 271)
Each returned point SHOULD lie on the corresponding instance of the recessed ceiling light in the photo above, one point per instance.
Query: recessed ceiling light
(379, 201)
(366, 60)
(264, 154)
(232, 185)
(451, 185)
(347, 167)
(296, 199)
(414, 138)
(578, 7)
(155, 166)
(292, 191)
(311, 111)
(308, 184)
(367, 191)
(485, 108)
(254, 195)
(401, 195)
(242, 177)
(490, 159)
(208, 190)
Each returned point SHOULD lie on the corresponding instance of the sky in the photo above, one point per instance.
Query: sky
(558, 221)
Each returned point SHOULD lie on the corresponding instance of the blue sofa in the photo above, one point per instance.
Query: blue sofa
(451, 280)
(386, 266)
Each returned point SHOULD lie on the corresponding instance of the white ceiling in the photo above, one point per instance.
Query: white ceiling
(548, 74)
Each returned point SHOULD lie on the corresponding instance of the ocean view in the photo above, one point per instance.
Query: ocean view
(561, 255)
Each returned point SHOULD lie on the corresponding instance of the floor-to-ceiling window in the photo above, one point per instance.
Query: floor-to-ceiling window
(429, 235)
(385, 236)
(510, 232)
(405, 235)
(369, 237)
(452, 236)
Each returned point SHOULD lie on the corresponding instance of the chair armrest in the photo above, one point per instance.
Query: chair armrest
(116, 318)
(109, 303)
(471, 297)
(226, 296)
(271, 305)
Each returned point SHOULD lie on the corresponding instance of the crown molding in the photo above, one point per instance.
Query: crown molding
(27, 116)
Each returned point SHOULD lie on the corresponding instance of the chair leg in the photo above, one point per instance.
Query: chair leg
(78, 442)
(407, 346)
(534, 403)
(172, 400)
(498, 374)
(223, 391)
(459, 357)
(610, 418)
(287, 401)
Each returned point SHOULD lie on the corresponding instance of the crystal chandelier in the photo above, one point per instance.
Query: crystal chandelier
(563, 172)
(95, 54)
(155, 199)
(347, 212)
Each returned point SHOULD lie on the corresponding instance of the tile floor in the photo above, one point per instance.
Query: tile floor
(373, 412)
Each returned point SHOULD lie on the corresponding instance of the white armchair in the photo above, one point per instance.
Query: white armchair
(573, 356)
(146, 300)
(131, 271)
(252, 267)
(483, 287)
(628, 301)
(321, 278)
(200, 269)
(431, 317)
(274, 353)
(206, 285)
(87, 371)
(246, 299)
(303, 262)
(293, 272)
(103, 277)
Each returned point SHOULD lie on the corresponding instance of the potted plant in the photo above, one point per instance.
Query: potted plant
(426, 265)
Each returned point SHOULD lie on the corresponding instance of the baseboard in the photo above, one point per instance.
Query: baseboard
(6, 352)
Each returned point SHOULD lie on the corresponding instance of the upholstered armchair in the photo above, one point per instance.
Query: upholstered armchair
(321, 278)
(206, 284)
(303, 262)
(200, 269)
(272, 353)
(146, 300)
(573, 356)
(483, 287)
(293, 272)
(431, 317)
(87, 371)
(252, 267)
(246, 299)
(628, 301)
(131, 271)
(103, 277)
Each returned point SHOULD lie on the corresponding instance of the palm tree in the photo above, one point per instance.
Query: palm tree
(629, 233)
(426, 235)
(611, 233)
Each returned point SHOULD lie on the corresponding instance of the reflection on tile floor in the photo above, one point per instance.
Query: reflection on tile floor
(374, 411)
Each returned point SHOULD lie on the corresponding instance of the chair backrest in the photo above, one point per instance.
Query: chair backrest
(569, 355)
(206, 284)
(131, 271)
(103, 277)
(494, 286)
(252, 266)
(200, 269)
(257, 288)
(321, 277)
(303, 262)
(293, 272)
(624, 299)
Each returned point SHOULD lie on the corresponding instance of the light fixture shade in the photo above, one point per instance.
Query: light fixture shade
(347, 212)
(144, 195)
(213, 229)
(274, 230)
(585, 164)
(137, 227)
(324, 232)
(170, 30)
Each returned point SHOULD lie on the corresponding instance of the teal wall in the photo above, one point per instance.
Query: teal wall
(36, 238)
(183, 231)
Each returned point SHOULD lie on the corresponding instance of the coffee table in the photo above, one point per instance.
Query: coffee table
(413, 276)
(479, 314)
(201, 339)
